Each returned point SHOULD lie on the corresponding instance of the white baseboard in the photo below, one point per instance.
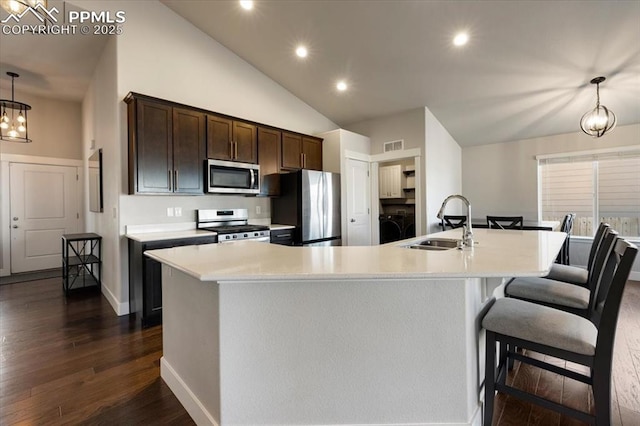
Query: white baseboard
(635, 276)
(119, 307)
(189, 401)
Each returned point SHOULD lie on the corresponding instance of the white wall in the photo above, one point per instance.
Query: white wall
(55, 126)
(101, 125)
(160, 54)
(443, 171)
(441, 156)
(409, 126)
(336, 146)
(502, 178)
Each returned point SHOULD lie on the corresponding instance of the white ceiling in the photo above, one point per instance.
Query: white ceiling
(525, 72)
(59, 66)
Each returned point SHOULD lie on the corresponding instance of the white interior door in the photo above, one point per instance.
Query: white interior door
(44, 206)
(358, 203)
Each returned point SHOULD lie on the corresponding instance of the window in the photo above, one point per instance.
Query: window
(597, 187)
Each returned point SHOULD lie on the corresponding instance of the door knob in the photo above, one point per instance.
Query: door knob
(352, 220)
(14, 226)
(15, 218)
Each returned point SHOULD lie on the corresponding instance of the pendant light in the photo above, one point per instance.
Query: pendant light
(599, 120)
(17, 7)
(13, 125)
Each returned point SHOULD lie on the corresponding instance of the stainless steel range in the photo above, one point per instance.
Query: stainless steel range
(231, 225)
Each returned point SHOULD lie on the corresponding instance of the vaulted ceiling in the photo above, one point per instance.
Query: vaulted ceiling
(524, 73)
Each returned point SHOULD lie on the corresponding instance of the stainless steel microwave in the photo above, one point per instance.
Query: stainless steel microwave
(230, 177)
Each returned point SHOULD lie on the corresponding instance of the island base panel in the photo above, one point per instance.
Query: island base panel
(323, 351)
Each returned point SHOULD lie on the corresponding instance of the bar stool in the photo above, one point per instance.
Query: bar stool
(565, 296)
(548, 331)
(574, 274)
(566, 227)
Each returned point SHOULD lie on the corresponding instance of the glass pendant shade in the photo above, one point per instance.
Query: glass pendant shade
(14, 117)
(19, 6)
(599, 120)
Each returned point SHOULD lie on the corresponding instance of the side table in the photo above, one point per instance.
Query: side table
(81, 261)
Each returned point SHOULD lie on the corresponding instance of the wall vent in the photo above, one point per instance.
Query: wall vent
(394, 145)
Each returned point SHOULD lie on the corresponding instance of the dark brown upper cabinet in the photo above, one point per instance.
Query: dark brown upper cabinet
(231, 140)
(166, 147)
(301, 152)
(269, 146)
(312, 153)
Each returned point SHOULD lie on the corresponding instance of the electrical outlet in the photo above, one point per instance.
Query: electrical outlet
(170, 211)
(258, 209)
(177, 211)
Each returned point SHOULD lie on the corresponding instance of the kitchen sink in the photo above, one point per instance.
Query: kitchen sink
(437, 244)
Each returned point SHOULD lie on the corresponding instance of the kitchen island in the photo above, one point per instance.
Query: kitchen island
(257, 333)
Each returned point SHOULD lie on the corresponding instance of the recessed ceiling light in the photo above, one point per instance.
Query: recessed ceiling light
(461, 39)
(246, 4)
(341, 86)
(301, 51)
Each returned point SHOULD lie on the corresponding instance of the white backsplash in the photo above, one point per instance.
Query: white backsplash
(152, 209)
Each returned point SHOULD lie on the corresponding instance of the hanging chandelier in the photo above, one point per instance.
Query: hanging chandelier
(13, 125)
(19, 6)
(599, 120)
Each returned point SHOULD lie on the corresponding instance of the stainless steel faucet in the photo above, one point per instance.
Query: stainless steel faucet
(467, 232)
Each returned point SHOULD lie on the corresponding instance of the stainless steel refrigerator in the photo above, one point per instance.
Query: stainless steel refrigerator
(310, 201)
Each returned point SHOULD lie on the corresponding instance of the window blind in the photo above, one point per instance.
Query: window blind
(597, 187)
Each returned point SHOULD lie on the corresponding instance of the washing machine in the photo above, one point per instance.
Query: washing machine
(409, 230)
(391, 227)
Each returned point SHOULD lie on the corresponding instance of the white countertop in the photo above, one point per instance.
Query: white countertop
(145, 237)
(147, 233)
(497, 253)
(276, 227)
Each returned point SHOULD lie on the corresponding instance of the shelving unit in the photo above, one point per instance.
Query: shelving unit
(81, 261)
(410, 185)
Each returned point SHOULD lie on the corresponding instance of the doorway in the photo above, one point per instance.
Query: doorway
(358, 202)
(396, 192)
(44, 205)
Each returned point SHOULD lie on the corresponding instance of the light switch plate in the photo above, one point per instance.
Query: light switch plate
(170, 211)
(177, 211)
(258, 209)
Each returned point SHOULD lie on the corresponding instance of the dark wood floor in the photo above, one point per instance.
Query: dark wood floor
(73, 361)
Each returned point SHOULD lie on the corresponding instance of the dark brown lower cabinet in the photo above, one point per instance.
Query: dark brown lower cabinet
(145, 277)
(282, 236)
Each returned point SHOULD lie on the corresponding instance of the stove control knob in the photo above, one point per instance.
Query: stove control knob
(235, 236)
(246, 235)
(256, 234)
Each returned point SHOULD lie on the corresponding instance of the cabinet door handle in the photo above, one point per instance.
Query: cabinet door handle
(175, 179)
(302, 160)
(170, 180)
(231, 150)
(235, 144)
